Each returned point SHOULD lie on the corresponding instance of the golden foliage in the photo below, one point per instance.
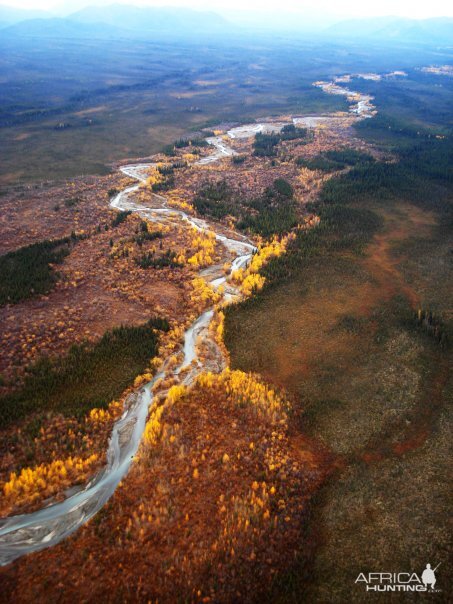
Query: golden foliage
(144, 378)
(154, 178)
(203, 293)
(203, 242)
(33, 484)
(174, 200)
(105, 415)
(249, 279)
(175, 394)
(154, 427)
(269, 250)
(246, 389)
(220, 329)
(252, 283)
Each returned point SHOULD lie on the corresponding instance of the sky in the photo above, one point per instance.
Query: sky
(418, 9)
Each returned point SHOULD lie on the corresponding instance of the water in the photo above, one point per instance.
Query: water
(31, 532)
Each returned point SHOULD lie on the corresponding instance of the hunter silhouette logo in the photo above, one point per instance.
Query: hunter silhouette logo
(429, 577)
(404, 581)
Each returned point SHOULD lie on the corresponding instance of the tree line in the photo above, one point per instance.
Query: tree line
(28, 271)
(272, 213)
(89, 376)
(265, 145)
(331, 161)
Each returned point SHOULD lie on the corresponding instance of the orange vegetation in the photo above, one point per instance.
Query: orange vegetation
(204, 244)
(40, 482)
(211, 510)
(75, 448)
(203, 293)
(249, 278)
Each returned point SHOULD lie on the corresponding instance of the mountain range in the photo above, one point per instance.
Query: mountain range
(110, 21)
(438, 29)
(118, 20)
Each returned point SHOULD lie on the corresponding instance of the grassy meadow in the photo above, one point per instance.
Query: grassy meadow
(69, 107)
(338, 330)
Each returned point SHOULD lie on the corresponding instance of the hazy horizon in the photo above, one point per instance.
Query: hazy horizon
(312, 11)
(225, 285)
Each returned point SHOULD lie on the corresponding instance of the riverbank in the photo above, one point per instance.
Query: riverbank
(228, 266)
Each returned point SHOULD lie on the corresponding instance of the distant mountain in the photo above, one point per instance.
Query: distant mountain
(118, 20)
(10, 15)
(61, 28)
(438, 30)
(151, 18)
